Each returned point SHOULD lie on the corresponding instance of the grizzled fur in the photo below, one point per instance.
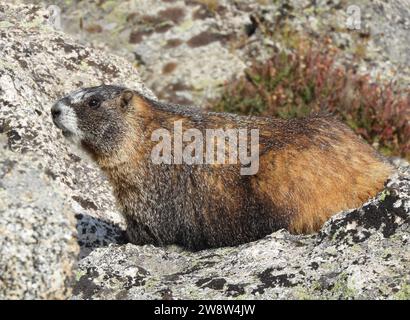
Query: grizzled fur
(310, 169)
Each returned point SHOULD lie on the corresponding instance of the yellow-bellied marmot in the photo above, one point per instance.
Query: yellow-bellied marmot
(308, 170)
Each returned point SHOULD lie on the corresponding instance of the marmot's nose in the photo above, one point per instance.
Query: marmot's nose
(55, 111)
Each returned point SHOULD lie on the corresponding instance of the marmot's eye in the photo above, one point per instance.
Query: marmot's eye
(94, 103)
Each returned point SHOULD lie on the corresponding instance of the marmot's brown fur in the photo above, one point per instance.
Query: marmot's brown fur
(309, 169)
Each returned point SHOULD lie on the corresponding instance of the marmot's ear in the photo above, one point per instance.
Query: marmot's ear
(126, 97)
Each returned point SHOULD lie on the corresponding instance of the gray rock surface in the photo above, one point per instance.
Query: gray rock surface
(43, 184)
(38, 248)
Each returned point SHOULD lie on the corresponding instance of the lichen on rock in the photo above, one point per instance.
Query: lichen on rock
(38, 247)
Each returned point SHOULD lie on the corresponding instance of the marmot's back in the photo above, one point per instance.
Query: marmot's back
(320, 174)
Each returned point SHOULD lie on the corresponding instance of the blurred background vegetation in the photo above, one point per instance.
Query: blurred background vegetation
(307, 80)
(282, 58)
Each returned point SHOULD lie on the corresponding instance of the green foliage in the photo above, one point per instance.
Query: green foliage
(309, 80)
(403, 293)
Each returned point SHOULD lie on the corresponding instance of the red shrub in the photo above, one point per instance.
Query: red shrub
(309, 80)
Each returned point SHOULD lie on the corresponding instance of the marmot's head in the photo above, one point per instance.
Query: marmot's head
(94, 117)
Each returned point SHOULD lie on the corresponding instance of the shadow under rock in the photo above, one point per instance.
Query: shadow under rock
(95, 233)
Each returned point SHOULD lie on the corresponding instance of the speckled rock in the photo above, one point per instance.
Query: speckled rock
(182, 48)
(38, 247)
(48, 185)
(360, 254)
